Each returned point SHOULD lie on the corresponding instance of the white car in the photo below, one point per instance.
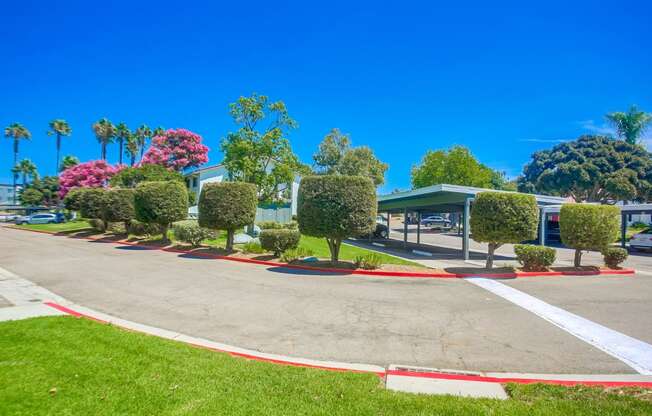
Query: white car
(37, 219)
(642, 240)
(436, 221)
(8, 217)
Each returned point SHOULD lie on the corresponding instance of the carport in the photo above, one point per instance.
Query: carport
(443, 199)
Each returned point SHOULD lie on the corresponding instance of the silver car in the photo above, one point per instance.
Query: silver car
(37, 219)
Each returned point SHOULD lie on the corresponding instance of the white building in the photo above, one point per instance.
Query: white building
(7, 194)
(196, 179)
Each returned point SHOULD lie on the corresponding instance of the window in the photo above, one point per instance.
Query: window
(194, 182)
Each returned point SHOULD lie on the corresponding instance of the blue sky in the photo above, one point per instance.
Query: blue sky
(504, 79)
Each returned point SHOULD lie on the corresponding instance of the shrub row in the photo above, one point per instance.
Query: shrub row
(278, 241)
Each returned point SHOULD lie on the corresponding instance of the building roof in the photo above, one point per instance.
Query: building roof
(202, 169)
(444, 197)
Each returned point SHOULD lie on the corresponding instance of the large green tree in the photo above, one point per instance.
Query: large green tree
(259, 151)
(59, 128)
(16, 132)
(335, 156)
(122, 134)
(631, 125)
(68, 162)
(591, 168)
(140, 137)
(47, 187)
(456, 166)
(105, 132)
(27, 169)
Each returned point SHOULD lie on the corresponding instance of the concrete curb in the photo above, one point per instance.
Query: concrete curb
(376, 273)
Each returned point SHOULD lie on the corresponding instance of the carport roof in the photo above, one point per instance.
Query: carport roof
(443, 198)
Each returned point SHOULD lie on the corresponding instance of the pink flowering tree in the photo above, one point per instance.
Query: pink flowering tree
(176, 149)
(93, 174)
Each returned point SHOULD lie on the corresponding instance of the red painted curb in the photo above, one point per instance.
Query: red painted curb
(518, 380)
(378, 273)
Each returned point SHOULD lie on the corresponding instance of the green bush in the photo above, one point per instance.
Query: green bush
(227, 206)
(278, 241)
(130, 177)
(72, 200)
(189, 231)
(294, 254)
(336, 207)
(142, 228)
(368, 261)
(119, 206)
(269, 225)
(92, 203)
(535, 258)
(588, 227)
(613, 256)
(161, 203)
(97, 224)
(252, 247)
(498, 218)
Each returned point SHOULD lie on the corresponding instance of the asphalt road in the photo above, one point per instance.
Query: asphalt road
(442, 323)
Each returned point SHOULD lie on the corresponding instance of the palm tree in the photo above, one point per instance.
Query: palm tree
(105, 132)
(122, 133)
(68, 162)
(17, 132)
(59, 128)
(131, 148)
(27, 168)
(630, 125)
(143, 133)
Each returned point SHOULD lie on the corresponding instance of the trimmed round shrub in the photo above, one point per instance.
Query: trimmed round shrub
(336, 207)
(535, 258)
(277, 241)
(119, 206)
(588, 227)
(227, 206)
(72, 199)
(142, 228)
(92, 205)
(162, 203)
(613, 256)
(189, 231)
(499, 218)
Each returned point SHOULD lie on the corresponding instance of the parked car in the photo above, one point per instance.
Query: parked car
(642, 240)
(8, 217)
(45, 218)
(435, 221)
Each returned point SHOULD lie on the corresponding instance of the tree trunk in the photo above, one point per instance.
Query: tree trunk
(120, 156)
(58, 168)
(15, 162)
(164, 230)
(103, 151)
(229, 240)
(578, 258)
(133, 159)
(334, 247)
(490, 254)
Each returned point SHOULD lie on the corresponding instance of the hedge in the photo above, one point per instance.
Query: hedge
(130, 177)
(92, 204)
(119, 206)
(535, 258)
(613, 256)
(336, 207)
(499, 218)
(189, 231)
(142, 228)
(162, 203)
(73, 198)
(227, 206)
(277, 241)
(588, 227)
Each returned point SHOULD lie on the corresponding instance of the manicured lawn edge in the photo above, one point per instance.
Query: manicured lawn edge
(378, 273)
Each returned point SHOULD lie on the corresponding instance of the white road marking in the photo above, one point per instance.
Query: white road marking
(636, 354)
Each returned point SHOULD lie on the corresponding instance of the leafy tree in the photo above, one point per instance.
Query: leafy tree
(591, 168)
(72, 200)
(119, 206)
(105, 132)
(30, 197)
(176, 149)
(68, 162)
(335, 156)
(259, 151)
(161, 203)
(336, 207)
(27, 169)
(456, 166)
(122, 134)
(130, 177)
(588, 227)
(630, 125)
(93, 174)
(59, 128)
(92, 202)
(16, 132)
(499, 218)
(131, 148)
(227, 206)
(48, 187)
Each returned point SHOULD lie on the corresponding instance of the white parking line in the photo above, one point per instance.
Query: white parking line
(636, 354)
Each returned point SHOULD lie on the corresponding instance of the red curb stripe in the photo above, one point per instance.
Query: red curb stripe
(518, 380)
(377, 273)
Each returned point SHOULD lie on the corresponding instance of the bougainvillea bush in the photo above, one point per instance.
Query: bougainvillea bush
(93, 174)
(176, 149)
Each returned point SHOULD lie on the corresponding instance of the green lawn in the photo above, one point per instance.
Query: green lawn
(70, 366)
(64, 226)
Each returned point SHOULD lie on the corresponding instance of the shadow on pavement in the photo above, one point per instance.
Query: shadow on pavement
(286, 270)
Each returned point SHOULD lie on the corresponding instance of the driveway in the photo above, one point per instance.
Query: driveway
(442, 323)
